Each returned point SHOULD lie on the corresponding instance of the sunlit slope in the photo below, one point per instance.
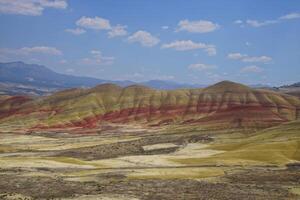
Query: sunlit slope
(277, 145)
(225, 104)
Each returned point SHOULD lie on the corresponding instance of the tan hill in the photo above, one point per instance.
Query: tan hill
(277, 145)
(225, 104)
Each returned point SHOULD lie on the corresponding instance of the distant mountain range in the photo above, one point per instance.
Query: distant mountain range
(292, 89)
(292, 85)
(18, 77)
(32, 79)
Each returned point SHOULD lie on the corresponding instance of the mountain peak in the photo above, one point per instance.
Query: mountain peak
(227, 86)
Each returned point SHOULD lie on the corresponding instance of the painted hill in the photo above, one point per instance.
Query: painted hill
(225, 104)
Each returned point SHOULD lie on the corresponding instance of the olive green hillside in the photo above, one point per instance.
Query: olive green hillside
(278, 145)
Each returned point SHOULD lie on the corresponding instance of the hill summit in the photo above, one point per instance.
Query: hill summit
(227, 86)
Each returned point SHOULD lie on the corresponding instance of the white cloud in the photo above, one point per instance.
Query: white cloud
(165, 27)
(235, 56)
(201, 67)
(30, 7)
(76, 31)
(252, 69)
(59, 4)
(246, 58)
(238, 21)
(248, 44)
(32, 50)
(41, 49)
(117, 30)
(263, 59)
(211, 50)
(144, 38)
(99, 23)
(256, 24)
(201, 26)
(97, 58)
(290, 16)
(185, 45)
(96, 23)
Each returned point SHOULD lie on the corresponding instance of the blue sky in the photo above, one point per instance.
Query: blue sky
(248, 41)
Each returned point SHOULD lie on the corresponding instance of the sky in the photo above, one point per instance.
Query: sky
(196, 42)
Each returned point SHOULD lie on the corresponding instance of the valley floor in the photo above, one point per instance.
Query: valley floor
(133, 163)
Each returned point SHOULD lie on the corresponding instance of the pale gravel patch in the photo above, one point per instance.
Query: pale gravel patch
(193, 150)
(149, 161)
(20, 154)
(40, 174)
(13, 162)
(295, 190)
(175, 173)
(159, 146)
(29, 142)
(22, 139)
(81, 179)
(15, 197)
(102, 197)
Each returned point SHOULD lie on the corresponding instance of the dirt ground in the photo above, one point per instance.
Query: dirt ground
(135, 165)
